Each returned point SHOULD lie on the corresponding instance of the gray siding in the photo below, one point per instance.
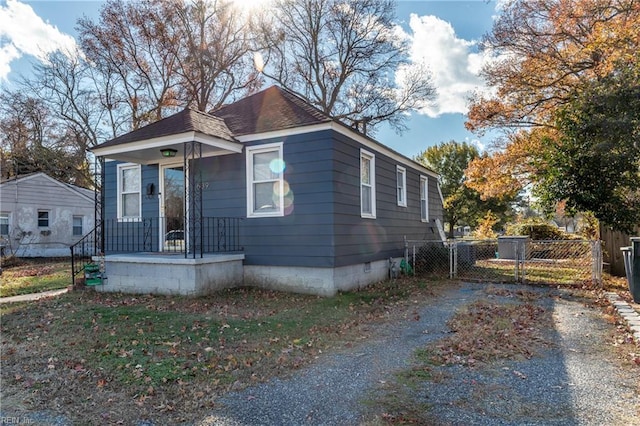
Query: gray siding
(358, 239)
(303, 237)
(128, 236)
(324, 228)
(150, 205)
(23, 198)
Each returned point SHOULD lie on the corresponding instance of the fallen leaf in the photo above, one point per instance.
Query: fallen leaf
(519, 374)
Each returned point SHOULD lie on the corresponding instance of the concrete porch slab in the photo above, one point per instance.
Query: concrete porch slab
(160, 273)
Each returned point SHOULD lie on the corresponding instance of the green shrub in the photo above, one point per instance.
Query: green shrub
(537, 230)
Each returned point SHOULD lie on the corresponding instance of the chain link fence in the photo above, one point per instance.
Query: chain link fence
(509, 259)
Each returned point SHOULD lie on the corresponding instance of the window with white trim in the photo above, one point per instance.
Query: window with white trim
(367, 184)
(424, 198)
(129, 184)
(77, 225)
(43, 218)
(4, 224)
(401, 186)
(265, 180)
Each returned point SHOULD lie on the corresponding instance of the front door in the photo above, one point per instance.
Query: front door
(172, 223)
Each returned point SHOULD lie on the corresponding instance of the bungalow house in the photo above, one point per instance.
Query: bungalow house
(267, 191)
(41, 216)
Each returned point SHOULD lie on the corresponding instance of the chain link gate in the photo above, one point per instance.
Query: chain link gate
(508, 259)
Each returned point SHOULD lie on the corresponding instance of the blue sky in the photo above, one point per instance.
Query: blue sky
(444, 35)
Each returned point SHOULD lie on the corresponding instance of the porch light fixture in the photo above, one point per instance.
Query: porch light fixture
(168, 152)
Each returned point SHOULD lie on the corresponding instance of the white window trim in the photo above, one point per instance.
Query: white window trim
(48, 212)
(372, 184)
(401, 191)
(6, 215)
(257, 149)
(424, 183)
(73, 218)
(120, 193)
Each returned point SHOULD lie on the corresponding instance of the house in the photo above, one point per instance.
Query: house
(267, 191)
(42, 217)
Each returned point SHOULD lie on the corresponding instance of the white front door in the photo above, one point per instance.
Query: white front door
(172, 208)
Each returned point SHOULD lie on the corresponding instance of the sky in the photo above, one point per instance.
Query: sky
(444, 34)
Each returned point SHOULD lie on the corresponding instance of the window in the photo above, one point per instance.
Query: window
(367, 184)
(43, 219)
(129, 191)
(77, 225)
(265, 182)
(424, 198)
(4, 224)
(401, 178)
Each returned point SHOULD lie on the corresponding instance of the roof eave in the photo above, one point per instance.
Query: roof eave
(147, 151)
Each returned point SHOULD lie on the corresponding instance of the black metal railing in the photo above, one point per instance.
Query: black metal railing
(83, 251)
(151, 234)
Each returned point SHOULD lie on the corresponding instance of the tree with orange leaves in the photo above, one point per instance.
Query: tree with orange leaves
(547, 52)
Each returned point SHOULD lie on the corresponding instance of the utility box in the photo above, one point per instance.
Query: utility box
(512, 247)
(631, 257)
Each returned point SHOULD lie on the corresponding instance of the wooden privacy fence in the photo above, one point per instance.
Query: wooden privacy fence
(612, 242)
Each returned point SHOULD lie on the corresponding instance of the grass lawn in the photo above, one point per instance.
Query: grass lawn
(113, 356)
(119, 357)
(25, 276)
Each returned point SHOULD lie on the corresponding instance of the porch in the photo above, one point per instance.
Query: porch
(138, 256)
(171, 273)
(191, 238)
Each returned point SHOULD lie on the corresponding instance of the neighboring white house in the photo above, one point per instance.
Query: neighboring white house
(42, 217)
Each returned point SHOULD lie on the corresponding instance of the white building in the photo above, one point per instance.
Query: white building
(42, 217)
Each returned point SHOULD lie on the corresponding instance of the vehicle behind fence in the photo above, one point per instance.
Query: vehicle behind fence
(509, 259)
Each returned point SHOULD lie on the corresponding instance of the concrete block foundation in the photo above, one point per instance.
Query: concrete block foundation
(170, 274)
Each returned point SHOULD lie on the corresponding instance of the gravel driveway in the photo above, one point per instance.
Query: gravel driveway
(577, 381)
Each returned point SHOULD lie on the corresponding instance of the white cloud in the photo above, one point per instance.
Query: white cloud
(7, 54)
(477, 143)
(454, 63)
(23, 32)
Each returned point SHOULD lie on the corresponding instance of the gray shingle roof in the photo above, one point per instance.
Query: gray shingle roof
(187, 120)
(271, 109)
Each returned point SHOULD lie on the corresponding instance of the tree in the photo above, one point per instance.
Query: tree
(130, 52)
(462, 204)
(547, 52)
(160, 56)
(486, 226)
(595, 164)
(510, 167)
(215, 54)
(33, 141)
(140, 62)
(342, 57)
(547, 49)
(78, 97)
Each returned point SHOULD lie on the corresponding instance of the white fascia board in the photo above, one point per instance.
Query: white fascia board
(162, 141)
(279, 134)
(369, 143)
(379, 147)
